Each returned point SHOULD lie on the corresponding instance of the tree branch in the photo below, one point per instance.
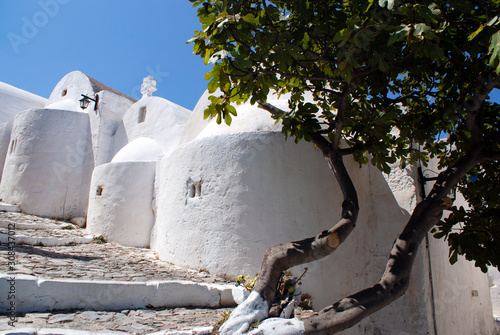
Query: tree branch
(394, 282)
(339, 119)
(473, 105)
(284, 256)
(270, 108)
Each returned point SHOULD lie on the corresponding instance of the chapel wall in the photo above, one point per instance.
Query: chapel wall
(49, 163)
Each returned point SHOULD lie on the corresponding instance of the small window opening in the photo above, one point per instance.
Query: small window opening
(13, 145)
(195, 190)
(99, 191)
(142, 115)
(64, 92)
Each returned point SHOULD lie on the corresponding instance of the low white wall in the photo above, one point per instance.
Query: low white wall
(48, 168)
(40, 295)
(462, 302)
(120, 202)
(223, 200)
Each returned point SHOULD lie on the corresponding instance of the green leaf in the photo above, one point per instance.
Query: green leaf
(213, 84)
(493, 21)
(250, 18)
(494, 49)
(474, 34)
(454, 257)
(399, 34)
(342, 35)
(228, 119)
(421, 29)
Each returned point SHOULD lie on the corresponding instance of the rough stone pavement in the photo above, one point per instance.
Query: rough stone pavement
(95, 261)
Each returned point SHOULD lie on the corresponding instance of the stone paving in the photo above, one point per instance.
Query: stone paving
(99, 261)
(93, 261)
(142, 321)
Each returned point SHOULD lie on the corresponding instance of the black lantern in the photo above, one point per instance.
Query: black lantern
(84, 102)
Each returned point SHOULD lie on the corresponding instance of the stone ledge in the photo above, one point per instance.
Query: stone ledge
(47, 241)
(40, 295)
(56, 331)
(6, 224)
(62, 331)
(4, 207)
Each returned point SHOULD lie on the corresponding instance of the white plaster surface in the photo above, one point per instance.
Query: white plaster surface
(68, 92)
(8, 207)
(48, 168)
(157, 119)
(494, 276)
(254, 308)
(225, 191)
(12, 101)
(250, 119)
(105, 124)
(461, 284)
(120, 202)
(141, 149)
(47, 241)
(194, 331)
(4, 223)
(196, 123)
(256, 190)
(36, 295)
(279, 326)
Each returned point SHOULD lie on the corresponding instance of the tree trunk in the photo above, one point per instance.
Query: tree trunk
(394, 282)
(284, 256)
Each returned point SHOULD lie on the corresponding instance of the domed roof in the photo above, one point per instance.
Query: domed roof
(250, 118)
(69, 90)
(139, 150)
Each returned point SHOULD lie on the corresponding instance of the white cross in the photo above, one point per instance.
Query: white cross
(148, 86)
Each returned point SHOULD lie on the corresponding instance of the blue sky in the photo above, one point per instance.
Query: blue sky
(117, 42)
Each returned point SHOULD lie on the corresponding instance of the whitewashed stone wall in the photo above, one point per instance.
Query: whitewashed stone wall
(12, 101)
(106, 124)
(228, 193)
(157, 119)
(120, 205)
(49, 164)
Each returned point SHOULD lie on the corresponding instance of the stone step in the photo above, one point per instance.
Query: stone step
(4, 207)
(45, 241)
(37, 295)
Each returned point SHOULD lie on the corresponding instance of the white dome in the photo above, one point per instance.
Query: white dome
(139, 150)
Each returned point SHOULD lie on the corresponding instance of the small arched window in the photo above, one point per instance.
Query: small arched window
(142, 115)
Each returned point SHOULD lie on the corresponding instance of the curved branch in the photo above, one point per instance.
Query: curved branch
(283, 256)
(395, 280)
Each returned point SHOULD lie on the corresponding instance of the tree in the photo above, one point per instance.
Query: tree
(386, 79)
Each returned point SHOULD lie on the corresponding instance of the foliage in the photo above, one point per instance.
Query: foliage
(99, 239)
(246, 282)
(378, 79)
(224, 317)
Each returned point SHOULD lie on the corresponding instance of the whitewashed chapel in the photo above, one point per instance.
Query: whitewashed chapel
(151, 173)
